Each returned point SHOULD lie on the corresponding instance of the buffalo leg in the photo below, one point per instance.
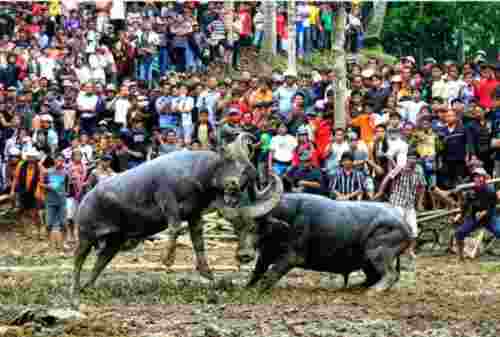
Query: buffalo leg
(196, 233)
(346, 279)
(391, 245)
(170, 209)
(84, 248)
(168, 257)
(277, 271)
(261, 266)
(112, 247)
(372, 276)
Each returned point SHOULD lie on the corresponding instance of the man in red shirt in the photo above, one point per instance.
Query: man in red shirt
(486, 86)
(246, 25)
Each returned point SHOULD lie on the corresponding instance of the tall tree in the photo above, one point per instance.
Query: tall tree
(292, 48)
(266, 53)
(374, 30)
(228, 23)
(274, 31)
(340, 84)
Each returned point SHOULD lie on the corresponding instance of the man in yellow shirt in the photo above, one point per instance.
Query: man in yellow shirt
(425, 141)
(314, 24)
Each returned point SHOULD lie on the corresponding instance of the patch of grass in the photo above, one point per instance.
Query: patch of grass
(378, 53)
(489, 267)
(118, 288)
(37, 260)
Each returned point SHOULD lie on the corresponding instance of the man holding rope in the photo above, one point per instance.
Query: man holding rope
(479, 207)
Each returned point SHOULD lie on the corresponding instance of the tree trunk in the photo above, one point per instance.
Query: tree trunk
(340, 84)
(228, 23)
(292, 49)
(274, 32)
(376, 24)
(266, 53)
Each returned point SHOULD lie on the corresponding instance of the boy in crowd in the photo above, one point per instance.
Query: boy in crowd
(55, 184)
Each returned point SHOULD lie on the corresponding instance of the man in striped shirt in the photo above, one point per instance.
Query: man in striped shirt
(347, 183)
(406, 182)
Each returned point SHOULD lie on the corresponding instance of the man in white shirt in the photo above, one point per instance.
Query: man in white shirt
(281, 151)
(86, 149)
(409, 109)
(147, 44)
(209, 99)
(86, 104)
(453, 83)
(397, 147)
(48, 66)
(97, 73)
(336, 149)
(120, 105)
(184, 105)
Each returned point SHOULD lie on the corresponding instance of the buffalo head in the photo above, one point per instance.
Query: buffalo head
(242, 201)
(236, 178)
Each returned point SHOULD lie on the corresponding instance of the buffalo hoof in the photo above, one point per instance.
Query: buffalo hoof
(168, 258)
(384, 284)
(204, 270)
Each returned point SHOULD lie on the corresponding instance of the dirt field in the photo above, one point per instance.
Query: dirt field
(136, 296)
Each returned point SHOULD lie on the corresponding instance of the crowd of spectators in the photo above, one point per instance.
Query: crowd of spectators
(88, 91)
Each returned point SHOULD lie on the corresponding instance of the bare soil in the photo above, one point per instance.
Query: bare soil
(443, 298)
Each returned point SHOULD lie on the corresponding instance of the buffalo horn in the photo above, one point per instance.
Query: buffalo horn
(260, 194)
(240, 149)
(263, 206)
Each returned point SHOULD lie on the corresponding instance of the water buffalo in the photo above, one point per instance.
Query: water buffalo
(161, 193)
(330, 236)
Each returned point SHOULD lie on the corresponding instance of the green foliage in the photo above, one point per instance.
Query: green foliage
(431, 29)
(493, 268)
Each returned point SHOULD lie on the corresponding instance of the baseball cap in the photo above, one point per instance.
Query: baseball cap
(479, 171)
(46, 118)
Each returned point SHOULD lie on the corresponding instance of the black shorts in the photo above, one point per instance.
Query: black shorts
(27, 201)
(455, 172)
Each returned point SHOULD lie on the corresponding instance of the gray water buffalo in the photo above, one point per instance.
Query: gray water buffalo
(316, 233)
(162, 193)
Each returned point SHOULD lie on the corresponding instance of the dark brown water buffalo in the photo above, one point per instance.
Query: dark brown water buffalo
(163, 192)
(320, 234)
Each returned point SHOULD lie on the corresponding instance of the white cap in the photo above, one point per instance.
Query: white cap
(14, 152)
(479, 171)
(367, 73)
(32, 153)
(47, 118)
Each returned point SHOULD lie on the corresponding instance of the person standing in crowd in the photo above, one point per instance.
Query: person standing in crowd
(24, 188)
(56, 181)
(281, 151)
(347, 182)
(454, 139)
(478, 207)
(406, 183)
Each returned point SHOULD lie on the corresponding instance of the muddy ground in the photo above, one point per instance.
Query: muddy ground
(136, 296)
